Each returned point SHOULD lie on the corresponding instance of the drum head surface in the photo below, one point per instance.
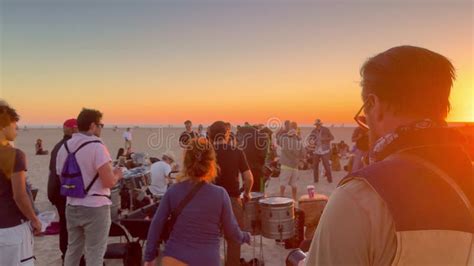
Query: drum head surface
(276, 201)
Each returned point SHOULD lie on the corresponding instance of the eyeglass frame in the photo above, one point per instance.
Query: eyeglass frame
(358, 116)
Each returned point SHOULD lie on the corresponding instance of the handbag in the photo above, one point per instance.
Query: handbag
(173, 216)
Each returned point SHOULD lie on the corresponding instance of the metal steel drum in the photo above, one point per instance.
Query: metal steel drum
(278, 217)
(137, 178)
(252, 221)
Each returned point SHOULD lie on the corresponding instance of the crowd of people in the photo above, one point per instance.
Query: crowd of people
(396, 166)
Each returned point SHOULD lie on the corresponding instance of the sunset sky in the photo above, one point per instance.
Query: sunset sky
(161, 62)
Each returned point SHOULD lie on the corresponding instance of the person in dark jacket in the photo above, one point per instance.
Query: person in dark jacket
(69, 127)
(254, 143)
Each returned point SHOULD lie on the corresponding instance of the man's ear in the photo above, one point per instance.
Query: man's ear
(375, 105)
(92, 126)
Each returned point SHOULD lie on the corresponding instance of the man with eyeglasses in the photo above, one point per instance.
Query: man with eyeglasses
(88, 218)
(413, 203)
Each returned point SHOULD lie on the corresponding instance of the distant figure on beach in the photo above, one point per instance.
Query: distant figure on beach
(121, 158)
(39, 148)
(159, 175)
(413, 204)
(120, 153)
(283, 130)
(187, 135)
(294, 125)
(343, 149)
(18, 220)
(335, 158)
(88, 218)
(201, 132)
(319, 142)
(360, 137)
(127, 136)
(196, 235)
(54, 184)
(292, 152)
(232, 164)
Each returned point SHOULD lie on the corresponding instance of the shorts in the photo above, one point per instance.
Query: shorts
(16, 245)
(288, 176)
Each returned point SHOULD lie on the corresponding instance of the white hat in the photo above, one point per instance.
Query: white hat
(169, 154)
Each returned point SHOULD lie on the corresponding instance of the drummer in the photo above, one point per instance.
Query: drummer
(159, 174)
(231, 162)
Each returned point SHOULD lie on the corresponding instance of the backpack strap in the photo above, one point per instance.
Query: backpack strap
(84, 144)
(65, 146)
(92, 182)
(176, 212)
(186, 200)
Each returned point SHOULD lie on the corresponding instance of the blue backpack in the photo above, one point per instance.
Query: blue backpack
(72, 183)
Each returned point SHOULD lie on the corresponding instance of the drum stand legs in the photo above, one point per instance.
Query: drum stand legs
(260, 259)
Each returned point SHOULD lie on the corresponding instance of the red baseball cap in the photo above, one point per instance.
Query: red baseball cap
(70, 123)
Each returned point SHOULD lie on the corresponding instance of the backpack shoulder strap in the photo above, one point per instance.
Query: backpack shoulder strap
(84, 144)
(92, 182)
(67, 148)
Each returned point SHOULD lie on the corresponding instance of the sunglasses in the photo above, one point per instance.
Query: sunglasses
(361, 120)
(100, 125)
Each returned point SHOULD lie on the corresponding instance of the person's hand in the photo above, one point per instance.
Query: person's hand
(36, 226)
(150, 263)
(118, 173)
(246, 197)
(175, 167)
(247, 238)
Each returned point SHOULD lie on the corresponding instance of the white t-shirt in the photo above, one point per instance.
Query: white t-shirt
(127, 135)
(159, 171)
(90, 158)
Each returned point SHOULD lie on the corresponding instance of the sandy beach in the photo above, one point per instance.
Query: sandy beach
(153, 141)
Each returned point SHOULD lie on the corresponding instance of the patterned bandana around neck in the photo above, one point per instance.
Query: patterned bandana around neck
(379, 149)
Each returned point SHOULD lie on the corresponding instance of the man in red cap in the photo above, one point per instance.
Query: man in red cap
(69, 127)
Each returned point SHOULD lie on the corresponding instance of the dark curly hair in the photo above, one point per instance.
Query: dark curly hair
(7, 115)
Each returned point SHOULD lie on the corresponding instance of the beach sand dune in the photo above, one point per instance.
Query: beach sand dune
(153, 141)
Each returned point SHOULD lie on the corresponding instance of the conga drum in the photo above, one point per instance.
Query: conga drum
(313, 208)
